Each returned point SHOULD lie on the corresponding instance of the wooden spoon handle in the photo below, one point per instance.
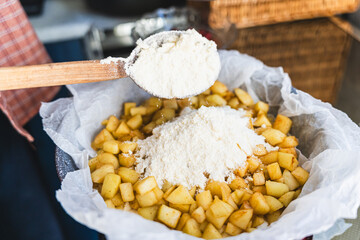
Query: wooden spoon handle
(54, 74)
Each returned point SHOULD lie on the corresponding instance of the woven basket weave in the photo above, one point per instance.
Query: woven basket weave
(245, 13)
(313, 52)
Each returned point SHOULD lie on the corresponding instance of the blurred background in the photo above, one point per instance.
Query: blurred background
(316, 41)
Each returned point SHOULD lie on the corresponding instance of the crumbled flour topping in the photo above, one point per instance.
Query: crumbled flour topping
(110, 60)
(203, 144)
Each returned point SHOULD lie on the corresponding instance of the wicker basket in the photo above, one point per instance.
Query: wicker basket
(313, 52)
(245, 13)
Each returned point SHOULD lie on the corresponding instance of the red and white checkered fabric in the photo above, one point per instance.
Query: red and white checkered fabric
(19, 46)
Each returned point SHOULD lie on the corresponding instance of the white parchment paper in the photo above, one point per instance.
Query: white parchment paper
(329, 142)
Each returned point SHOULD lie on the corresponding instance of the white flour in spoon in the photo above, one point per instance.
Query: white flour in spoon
(175, 64)
(197, 146)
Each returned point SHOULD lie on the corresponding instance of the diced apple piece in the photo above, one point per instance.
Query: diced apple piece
(262, 120)
(289, 142)
(259, 204)
(220, 208)
(154, 102)
(117, 200)
(273, 203)
(247, 195)
(218, 222)
(245, 205)
(231, 202)
(199, 215)
(214, 187)
(273, 136)
(225, 191)
(127, 107)
(122, 130)
(234, 102)
(269, 158)
(148, 199)
(301, 175)
(254, 163)
(258, 220)
(203, 225)
(108, 158)
(141, 110)
(287, 198)
(135, 122)
(128, 175)
(237, 195)
(145, 185)
(158, 192)
(192, 192)
(104, 135)
(112, 123)
(148, 212)
(244, 97)
(110, 185)
(183, 219)
(93, 162)
(274, 216)
(168, 191)
(181, 207)
(204, 199)
(287, 161)
(165, 113)
(192, 207)
(260, 189)
(166, 185)
(192, 227)
(261, 107)
(276, 189)
(215, 100)
(282, 123)
(232, 230)
(127, 192)
(210, 232)
(180, 196)
(288, 150)
(134, 205)
(241, 171)
(290, 180)
(169, 216)
(99, 174)
(162, 201)
(280, 180)
(241, 218)
(238, 183)
(148, 128)
(259, 150)
(170, 103)
(126, 160)
(183, 103)
(127, 147)
(274, 171)
(111, 146)
(219, 88)
(259, 178)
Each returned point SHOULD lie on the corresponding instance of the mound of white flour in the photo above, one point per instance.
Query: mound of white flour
(197, 146)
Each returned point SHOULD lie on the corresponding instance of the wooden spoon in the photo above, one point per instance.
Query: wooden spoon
(54, 74)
